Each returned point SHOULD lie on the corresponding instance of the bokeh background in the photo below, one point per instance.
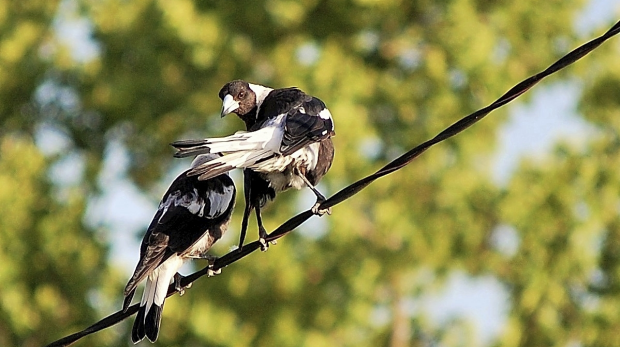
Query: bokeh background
(507, 235)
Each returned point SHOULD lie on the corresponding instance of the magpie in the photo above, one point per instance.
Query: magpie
(191, 217)
(287, 145)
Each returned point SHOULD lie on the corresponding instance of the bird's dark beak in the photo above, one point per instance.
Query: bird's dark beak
(229, 105)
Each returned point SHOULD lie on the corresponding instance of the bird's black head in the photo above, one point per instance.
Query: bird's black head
(237, 97)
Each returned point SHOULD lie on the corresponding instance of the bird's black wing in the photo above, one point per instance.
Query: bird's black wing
(279, 101)
(307, 118)
(189, 209)
(217, 198)
(153, 251)
(309, 122)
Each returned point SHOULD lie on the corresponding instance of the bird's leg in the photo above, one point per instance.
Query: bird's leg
(177, 284)
(262, 232)
(319, 197)
(244, 223)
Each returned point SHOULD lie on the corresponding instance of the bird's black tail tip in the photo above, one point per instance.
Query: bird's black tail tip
(152, 322)
(179, 155)
(146, 324)
(188, 152)
(137, 332)
(187, 143)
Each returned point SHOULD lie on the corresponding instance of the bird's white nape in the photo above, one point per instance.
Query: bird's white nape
(260, 91)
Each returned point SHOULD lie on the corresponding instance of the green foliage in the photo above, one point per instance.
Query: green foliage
(25, 28)
(393, 73)
(52, 265)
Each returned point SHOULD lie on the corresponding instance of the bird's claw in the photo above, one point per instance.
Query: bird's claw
(320, 212)
(264, 245)
(211, 259)
(211, 272)
(177, 284)
(262, 238)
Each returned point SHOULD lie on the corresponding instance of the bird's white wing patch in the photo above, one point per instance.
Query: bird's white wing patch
(325, 114)
(191, 201)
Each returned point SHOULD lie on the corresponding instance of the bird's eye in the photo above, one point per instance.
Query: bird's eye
(241, 95)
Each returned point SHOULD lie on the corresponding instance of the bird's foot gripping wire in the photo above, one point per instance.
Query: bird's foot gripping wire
(177, 284)
(211, 259)
(319, 197)
(318, 211)
(262, 238)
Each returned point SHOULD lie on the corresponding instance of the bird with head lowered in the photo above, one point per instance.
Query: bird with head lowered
(192, 216)
(287, 145)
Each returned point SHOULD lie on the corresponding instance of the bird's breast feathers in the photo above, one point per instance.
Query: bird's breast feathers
(199, 247)
(278, 170)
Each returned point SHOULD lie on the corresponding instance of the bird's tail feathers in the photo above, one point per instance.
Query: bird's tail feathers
(137, 332)
(240, 141)
(140, 273)
(148, 321)
(187, 148)
(188, 143)
(229, 162)
(184, 153)
(147, 324)
(152, 322)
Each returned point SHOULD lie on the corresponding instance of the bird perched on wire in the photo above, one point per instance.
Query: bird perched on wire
(287, 145)
(191, 217)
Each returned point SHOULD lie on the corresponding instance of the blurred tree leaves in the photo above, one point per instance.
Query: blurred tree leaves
(52, 267)
(393, 73)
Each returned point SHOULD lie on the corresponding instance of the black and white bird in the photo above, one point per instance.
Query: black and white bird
(191, 217)
(287, 144)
